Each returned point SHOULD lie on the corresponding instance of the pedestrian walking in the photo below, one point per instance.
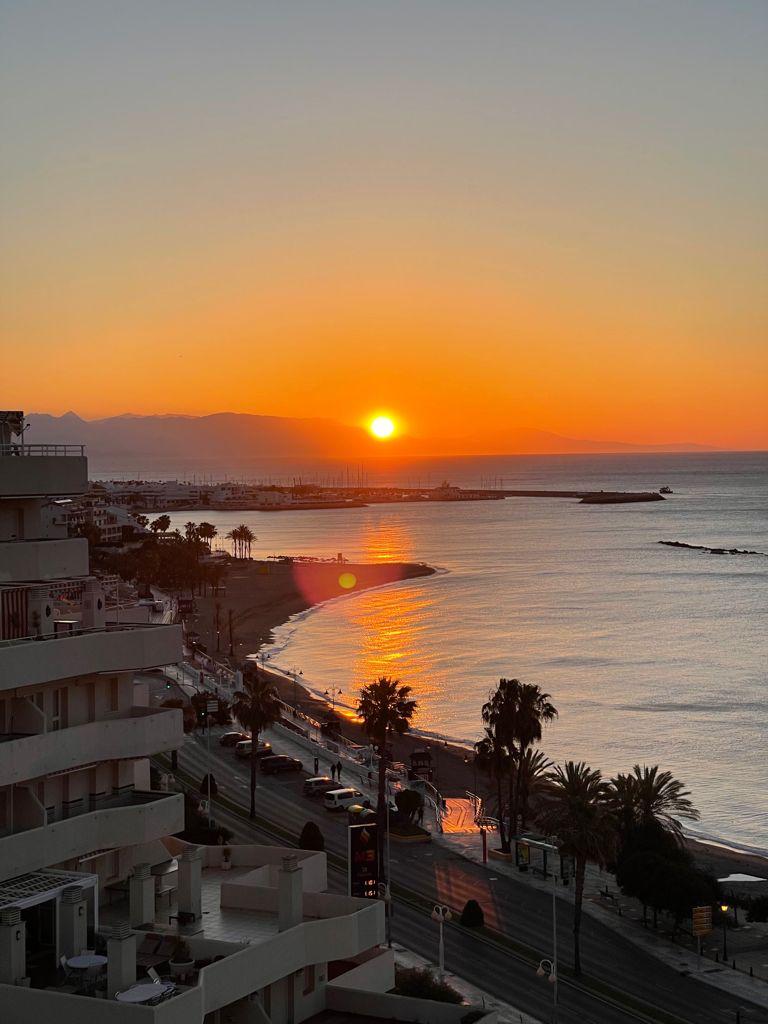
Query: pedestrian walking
(338, 770)
(317, 765)
(333, 772)
(370, 777)
(421, 815)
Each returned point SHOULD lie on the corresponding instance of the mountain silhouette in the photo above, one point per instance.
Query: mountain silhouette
(242, 435)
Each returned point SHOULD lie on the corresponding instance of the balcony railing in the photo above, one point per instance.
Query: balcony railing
(42, 449)
(111, 627)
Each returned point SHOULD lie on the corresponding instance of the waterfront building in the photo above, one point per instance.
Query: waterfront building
(95, 889)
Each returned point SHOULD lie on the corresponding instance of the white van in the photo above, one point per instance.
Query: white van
(340, 799)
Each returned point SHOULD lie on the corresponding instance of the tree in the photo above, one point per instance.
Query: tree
(190, 532)
(531, 774)
(578, 815)
(236, 537)
(206, 532)
(409, 802)
(199, 702)
(385, 707)
(472, 915)
(493, 759)
(661, 799)
(517, 712)
(255, 707)
(161, 524)
(311, 837)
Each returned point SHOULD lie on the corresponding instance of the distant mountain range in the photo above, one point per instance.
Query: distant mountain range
(228, 435)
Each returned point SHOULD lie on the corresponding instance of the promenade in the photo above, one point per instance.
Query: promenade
(622, 981)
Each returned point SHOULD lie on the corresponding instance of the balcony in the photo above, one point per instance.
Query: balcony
(119, 821)
(43, 559)
(137, 732)
(28, 661)
(38, 470)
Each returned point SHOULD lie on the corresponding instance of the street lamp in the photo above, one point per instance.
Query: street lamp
(724, 908)
(548, 968)
(441, 914)
(552, 964)
(333, 692)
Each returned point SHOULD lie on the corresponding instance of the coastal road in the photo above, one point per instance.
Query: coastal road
(502, 958)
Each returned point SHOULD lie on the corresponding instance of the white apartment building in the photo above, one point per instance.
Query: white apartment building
(88, 859)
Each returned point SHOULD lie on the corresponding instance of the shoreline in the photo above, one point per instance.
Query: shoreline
(290, 590)
(454, 778)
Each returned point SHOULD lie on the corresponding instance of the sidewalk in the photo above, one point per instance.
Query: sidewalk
(627, 924)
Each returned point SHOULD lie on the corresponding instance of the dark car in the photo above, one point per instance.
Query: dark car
(244, 748)
(280, 763)
(231, 739)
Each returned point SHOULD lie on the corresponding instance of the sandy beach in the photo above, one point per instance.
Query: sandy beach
(262, 595)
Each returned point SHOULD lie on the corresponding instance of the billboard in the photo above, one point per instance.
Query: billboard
(363, 861)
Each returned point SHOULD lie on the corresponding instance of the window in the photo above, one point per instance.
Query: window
(60, 705)
(114, 695)
(309, 979)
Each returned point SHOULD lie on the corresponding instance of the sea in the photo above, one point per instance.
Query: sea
(651, 654)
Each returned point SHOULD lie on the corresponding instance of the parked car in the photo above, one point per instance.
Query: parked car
(340, 799)
(318, 786)
(280, 763)
(231, 739)
(243, 749)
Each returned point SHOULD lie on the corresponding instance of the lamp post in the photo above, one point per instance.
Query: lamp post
(551, 970)
(724, 908)
(441, 914)
(333, 692)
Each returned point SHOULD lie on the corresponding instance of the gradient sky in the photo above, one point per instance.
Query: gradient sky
(478, 215)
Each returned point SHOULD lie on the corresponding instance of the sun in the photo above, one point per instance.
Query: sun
(382, 427)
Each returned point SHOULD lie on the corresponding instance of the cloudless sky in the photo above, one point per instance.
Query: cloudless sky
(477, 215)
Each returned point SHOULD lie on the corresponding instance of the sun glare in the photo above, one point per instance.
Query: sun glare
(382, 427)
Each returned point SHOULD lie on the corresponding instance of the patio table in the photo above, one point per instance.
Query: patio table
(143, 993)
(86, 961)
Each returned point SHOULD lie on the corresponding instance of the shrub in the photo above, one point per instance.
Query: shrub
(311, 837)
(422, 983)
(408, 802)
(472, 915)
(182, 954)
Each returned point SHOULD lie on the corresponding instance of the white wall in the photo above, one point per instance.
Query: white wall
(42, 661)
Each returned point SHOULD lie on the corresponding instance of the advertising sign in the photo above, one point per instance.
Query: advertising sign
(363, 861)
(702, 920)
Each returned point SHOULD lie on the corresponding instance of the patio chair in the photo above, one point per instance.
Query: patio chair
(69, 974)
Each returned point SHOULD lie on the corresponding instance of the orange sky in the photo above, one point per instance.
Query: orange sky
(266, 216)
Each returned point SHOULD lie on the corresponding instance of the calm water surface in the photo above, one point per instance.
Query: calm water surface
(651, 654)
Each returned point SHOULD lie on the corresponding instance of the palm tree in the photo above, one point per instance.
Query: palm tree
(161, 524)
(190, 531)
(255, 707)
(206, 532)
(577, 814)
(623, 801)
(493, 759)
(245, 536)
(385, 707)
(517, 712)
(660, 797)
(531, 773)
